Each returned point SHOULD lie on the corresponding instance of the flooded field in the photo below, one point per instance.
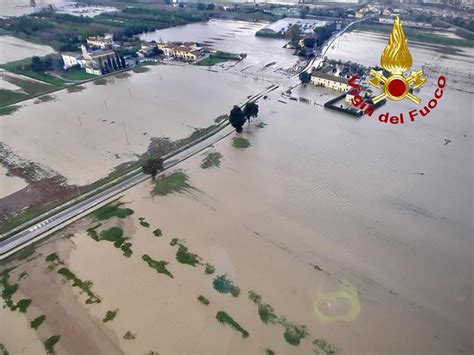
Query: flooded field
(339, 233)
(103, 126)
(12, 48)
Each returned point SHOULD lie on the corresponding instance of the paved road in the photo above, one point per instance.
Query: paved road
(88, 204)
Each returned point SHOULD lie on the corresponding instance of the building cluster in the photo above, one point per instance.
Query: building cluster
(187, 51)
(97, 58)
(281, 27)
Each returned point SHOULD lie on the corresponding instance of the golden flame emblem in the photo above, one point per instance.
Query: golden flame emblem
(396, 59)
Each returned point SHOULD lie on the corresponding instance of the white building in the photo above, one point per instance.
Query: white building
(101, 42)
(319, 78)
(72, 59)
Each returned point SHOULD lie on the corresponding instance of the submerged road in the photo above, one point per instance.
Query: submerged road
(61, 218)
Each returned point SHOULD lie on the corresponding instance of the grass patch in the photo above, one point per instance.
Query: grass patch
(35, 323)
(293, 333)
(50, 343)
(158, 265)
(216, 58)
(25, 252)
(129, 335)
(203, 300)
(76, 74)
(141, 69)
(110, 315)
(102, 81)
(109, 211)
(325, 346)
(8, 97)
(223, 285)
(8, 290)
(157, 232)
(183, 256)
(84, 286)
(211, 160)
(52, 257)
(225, 319)
(23, 305)
(240, 143)
(7, 111)
(114, 235)
(175, 182)
(143, 222)
(45, 98)
(209, 269)
(21, 67)
(75, 88)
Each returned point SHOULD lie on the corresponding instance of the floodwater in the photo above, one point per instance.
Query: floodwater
(12, 48)
(84, 135)
(266, 59)
(23, 7)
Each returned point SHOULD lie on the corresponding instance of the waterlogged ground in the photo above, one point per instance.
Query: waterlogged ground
(22, 7)
(105, 125)
(12, 49)
(334, 233)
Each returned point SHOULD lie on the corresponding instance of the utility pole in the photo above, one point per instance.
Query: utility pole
(125, 131)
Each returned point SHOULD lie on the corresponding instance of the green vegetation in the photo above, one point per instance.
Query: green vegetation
(114, 235)
(250, 110)
(269, 352)
(44, 98)
(211, 159)
(84, 286)
(64, 32)
(223, 285)
(141, 69)
(52, 257)
(237, 118)
(158, 265)
(23, 305)
(175, 182)
(50, 343)
(240, 143)
(8, 290)
(8, 97)
(27, 67)
(35, 323)
(22, 275)
(417, 35)
(174, 241)
(209, 269)
(157, 232)
(7, 111)
(3, 350)
(25, 252)
(75, 88)
(305, 77)
(225, 319)
(143, 222)
(152, 166)
(110, 315)
(129, 335)
(77, 74)
(216, 58)
(203, 300)
(111, 210)
(325, 346)
(293, 333)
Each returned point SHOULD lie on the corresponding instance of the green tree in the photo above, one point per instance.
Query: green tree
(250, 110)
(305, 77)
(152, 166)
(211, 7)
(201, 6)
(237, 118)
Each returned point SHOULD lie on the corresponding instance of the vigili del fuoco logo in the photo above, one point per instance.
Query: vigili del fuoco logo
(399, 84)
